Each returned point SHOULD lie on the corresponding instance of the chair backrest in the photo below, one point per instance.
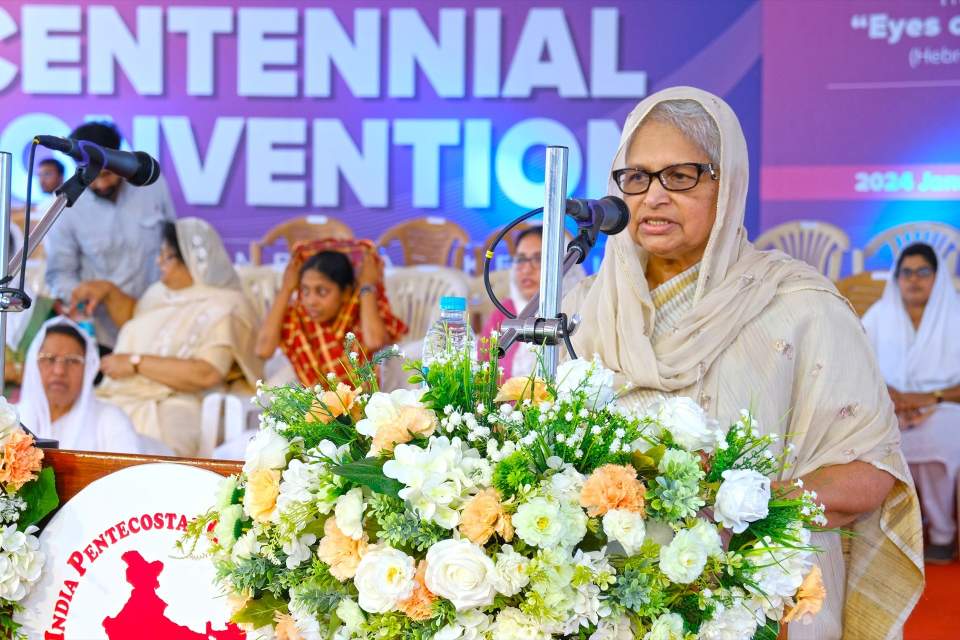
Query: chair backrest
(415, 292)
(434, 241)
(944, 238)
(863, 289)
(508, 244)
(260, 285)
(314, 227)
(819, 244)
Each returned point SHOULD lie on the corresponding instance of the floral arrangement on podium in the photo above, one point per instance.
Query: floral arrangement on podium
(27, 494)
(523, 511)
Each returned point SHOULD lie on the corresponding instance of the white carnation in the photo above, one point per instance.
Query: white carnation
(780, 571)
(684, 559)
(513, 571)
(245, 547)
(613, 629)
(21, 561)
(743, 497)
(589, 377)
(565, 485)
(625, 527)
(734, 623)
(689, 425)
(513, 624)
(266, 450)
(384, 578)
(669, 626)
(384, 409)
(349, 513)
(461, 572)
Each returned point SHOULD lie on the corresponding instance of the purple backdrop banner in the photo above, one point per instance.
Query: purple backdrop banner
(365, 111)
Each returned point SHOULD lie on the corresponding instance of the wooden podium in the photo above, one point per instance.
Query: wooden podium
(74, 470)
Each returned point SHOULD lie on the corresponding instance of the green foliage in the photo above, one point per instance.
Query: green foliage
(9, 628)
(673, 499)
(368, 472)
(689, 608)
(745, 449)
(777, 525)
(260, 611)
(256, 574)
(769, 631)
(402, 528)
(41, 498)
(513, 473)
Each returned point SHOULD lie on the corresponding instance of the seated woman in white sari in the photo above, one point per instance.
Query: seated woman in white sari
(915, 330)
(191, 333)
(684, 305)
(58, 401)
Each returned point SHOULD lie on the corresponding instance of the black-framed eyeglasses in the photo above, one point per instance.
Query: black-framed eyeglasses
(923, 273)
(49, 360)
(676, 177)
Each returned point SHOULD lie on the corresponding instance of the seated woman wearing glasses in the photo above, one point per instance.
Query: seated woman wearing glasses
(58, 401)
(915, 330)
(684, 305)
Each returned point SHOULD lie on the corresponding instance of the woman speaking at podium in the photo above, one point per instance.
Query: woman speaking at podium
(684, 305)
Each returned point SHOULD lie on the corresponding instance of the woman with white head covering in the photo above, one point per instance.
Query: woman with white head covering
(915, 330)
(190, 333)
(684, 305)
(57, 399)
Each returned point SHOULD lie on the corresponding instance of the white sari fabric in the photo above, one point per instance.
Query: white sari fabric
(91, 424)
(766, 332)
(923, 360)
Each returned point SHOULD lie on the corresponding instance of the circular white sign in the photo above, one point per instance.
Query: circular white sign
(112, 570)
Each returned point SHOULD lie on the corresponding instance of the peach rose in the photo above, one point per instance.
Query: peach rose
(810, 598)
(260, 496)
(419, 606)
(335, 403)
(483, 516)
(612, 486)
(411, 421)
(341, 552)
(286, 628)
(520, 388)
(21, 461)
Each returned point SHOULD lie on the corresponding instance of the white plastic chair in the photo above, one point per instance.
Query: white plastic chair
(223, 416)
(819, 244)
(944, 238)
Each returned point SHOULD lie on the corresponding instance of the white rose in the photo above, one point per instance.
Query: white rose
(267, 450)
(615, 629)
(547, 523)
(350, 614)
(734, 623)
(589, 377)
(683, 560)
(349, 513)
(668, 626)
(709, 537)
(384, 408)
(743, 497)
(461, 572)
(513, 624)
(625, 527)
(384, 578)
(9, 419)
(689, 425)
(513, 571)
(469, 625)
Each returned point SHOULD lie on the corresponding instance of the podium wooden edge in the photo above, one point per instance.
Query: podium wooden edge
(74, 470)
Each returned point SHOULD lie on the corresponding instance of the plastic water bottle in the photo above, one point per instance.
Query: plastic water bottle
(450, 334)
(85, 321)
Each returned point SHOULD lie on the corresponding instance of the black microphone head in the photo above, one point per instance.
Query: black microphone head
(622, 217)
(148, 170)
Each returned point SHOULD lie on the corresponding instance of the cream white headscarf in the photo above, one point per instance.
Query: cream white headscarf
(917, 360)
(618, 301)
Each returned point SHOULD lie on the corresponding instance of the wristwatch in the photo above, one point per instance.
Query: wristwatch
(135, 360)
(938, 396)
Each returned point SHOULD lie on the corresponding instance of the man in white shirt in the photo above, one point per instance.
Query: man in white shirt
(112, 233)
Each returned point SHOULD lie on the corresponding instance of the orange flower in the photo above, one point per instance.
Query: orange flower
(260, 496)
(333, 404)
(340, 551)
(483, 516)
(20, 462)
(810, 598)
(419, 606)
(411, 421)
(286, 628)
(611, 487)
(520, 388)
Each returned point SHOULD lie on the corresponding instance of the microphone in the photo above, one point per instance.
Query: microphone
(610, 214)
(139, 168)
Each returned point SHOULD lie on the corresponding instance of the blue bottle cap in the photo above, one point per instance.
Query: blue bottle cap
(451, 303)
